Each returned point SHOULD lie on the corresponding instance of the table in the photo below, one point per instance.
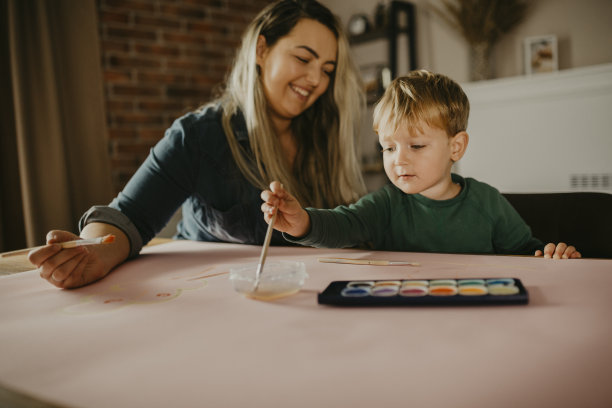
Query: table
(167, 329)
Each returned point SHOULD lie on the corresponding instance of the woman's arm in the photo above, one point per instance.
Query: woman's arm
(82, 265)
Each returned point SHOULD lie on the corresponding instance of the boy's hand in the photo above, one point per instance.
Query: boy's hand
(559, 251)
(291, 217)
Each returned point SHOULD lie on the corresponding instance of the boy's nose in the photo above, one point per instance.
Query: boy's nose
(402, 156)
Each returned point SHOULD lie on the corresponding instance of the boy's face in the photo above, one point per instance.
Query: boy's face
(419, 159)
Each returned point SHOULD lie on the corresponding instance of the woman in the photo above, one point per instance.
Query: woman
(288, 113)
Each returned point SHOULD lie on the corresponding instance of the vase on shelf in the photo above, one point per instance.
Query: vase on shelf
(480, 61)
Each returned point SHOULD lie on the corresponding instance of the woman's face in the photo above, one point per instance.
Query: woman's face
(297, 69)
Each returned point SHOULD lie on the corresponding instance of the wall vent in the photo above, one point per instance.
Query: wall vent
(591, 181)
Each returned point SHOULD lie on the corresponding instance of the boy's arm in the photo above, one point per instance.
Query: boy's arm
(333, 228)
(341, 227)
(512, 225)
(362, 223)
(512, 236)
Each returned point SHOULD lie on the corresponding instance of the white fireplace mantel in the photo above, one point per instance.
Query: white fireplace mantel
(542, 133)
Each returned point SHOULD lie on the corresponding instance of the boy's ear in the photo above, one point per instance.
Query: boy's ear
(459, 144)
(260, 51)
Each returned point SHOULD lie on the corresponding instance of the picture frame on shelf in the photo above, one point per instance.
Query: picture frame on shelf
(541, 54)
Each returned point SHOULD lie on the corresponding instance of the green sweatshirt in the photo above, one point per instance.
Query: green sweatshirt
(479, 221)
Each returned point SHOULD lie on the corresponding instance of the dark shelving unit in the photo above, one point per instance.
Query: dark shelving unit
(391, 31)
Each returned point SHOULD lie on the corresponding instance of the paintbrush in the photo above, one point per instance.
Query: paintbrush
(107, 239)
(368, 262)
(264, 250)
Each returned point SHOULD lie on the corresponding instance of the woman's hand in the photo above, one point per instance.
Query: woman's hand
(81, 265)
(291, 217)
(559, 251)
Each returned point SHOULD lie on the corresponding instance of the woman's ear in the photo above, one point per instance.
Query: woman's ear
(260, 51)
(459, 144)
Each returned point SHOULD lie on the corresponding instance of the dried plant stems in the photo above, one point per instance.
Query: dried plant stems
(482, 21)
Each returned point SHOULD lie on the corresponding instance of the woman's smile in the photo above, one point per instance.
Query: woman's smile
(303, 93)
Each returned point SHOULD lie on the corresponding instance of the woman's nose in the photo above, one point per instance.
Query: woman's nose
(314, 76)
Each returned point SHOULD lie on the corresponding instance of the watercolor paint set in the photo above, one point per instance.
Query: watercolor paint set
(414, 292)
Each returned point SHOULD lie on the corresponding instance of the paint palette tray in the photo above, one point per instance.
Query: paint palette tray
(414, 292)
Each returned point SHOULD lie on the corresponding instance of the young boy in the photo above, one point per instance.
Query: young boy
(421, 123)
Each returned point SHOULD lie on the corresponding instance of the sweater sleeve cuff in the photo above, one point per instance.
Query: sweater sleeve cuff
(310, 239)
(109, 215)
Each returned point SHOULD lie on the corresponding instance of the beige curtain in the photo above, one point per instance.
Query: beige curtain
(54, 158)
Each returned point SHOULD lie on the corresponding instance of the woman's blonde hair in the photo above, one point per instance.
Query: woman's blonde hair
(422, 97)
(326, 171)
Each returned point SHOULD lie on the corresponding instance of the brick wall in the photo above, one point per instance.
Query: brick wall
(161, 59)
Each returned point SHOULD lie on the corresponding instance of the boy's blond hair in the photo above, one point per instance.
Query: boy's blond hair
(422, 97)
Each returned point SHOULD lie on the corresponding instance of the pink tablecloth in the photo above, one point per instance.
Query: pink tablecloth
(168, 330)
